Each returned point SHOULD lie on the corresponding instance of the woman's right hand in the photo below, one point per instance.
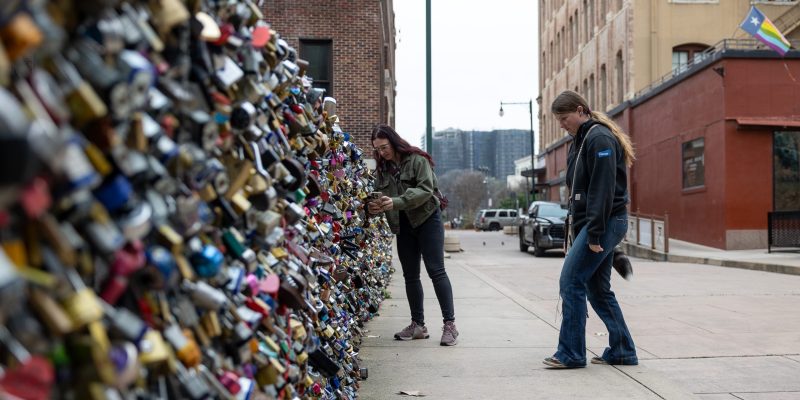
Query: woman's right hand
(374, 207)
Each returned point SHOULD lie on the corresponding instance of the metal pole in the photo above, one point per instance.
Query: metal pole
(533, 185)
(429, 124)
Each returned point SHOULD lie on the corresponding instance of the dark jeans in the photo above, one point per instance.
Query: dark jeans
(588, 274)
(427, 241)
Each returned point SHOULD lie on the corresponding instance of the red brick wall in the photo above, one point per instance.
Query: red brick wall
(356, 32)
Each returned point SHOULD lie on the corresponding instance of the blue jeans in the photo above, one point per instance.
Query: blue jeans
(588, 274)
(425, 241)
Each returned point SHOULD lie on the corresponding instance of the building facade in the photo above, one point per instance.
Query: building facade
(351, 48)
(718, 146)
(610, 50)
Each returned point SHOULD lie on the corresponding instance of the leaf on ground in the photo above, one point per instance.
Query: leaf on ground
(414, 393)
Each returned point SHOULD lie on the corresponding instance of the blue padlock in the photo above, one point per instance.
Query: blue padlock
(207, 261)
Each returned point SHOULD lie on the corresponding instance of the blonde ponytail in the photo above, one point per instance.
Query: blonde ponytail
(622, 137)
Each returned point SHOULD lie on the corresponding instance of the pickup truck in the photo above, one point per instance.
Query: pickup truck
(543, 229)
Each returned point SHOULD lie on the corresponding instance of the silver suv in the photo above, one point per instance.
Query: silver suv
(495, 219)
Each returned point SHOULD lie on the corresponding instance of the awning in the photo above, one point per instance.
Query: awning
(782, 122)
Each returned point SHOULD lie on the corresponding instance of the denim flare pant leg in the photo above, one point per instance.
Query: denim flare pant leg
(588, 274)
(426, 242)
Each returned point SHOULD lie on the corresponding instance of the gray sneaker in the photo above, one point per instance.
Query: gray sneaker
(413, 331)
(449, 334)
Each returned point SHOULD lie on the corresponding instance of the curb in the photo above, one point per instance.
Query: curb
(643, 252)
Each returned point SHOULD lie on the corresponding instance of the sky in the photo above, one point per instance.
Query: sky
(483, 52)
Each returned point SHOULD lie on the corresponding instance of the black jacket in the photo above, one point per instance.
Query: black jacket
(601, 183)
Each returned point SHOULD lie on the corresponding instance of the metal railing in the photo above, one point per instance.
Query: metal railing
(649, 230)
(711, 52)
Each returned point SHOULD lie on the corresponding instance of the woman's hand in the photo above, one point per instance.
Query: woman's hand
(595, 248)
(374, 207)
(386, 203)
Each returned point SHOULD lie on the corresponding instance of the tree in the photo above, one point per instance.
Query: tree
(465, 190)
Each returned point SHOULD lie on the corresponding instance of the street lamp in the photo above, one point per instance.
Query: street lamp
(530, 110)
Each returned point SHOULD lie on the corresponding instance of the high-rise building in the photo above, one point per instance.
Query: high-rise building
(492, 152)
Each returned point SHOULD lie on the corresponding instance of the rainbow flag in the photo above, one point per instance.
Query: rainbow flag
(758, 25)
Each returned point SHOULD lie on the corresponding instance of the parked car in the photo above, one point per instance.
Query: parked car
(543, 229)
(495, 219)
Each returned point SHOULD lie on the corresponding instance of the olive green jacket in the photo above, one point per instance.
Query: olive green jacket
(412, 194)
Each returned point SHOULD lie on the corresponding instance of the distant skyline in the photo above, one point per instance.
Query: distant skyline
(483, 53)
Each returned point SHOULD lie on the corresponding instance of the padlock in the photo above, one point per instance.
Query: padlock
(31, 378)
(153, 350)
(126, 323)
(20, 35)
(125, 358)
(206, 259)
(192, 383)
(205, 295)
(183, 343)
(233, 244)
(53, 315)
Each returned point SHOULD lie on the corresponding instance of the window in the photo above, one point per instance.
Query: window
(546, 69)
(603, 11)
(571, 34)
(786, 170)
(680, 59)
(685, 55)
(603, 88)
(592, 101)
(620, 67)
(590, 12)
(552, 58)
(694, 163)
(585, 91)
(503, 214)
(512, 214)
(586, 32)
(575, 33)
(489, 214)
(319, 54)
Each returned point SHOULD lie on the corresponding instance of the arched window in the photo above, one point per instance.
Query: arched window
(603, 88)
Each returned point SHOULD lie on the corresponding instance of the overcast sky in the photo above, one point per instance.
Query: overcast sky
(484, 52)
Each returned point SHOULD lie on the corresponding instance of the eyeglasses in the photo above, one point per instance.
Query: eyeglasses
(383, 147)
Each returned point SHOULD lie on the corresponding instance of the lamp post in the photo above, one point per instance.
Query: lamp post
(530, 110)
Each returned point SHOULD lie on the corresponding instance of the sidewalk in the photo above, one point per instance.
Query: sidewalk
(504, 339)
(759, 259)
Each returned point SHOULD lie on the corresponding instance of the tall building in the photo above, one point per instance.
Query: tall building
(493, 152)
(610, 50)
(351, 48)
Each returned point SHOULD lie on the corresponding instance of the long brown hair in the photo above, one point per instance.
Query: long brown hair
(399, 145)
(569, 101)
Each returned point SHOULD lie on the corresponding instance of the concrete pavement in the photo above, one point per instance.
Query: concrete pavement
(785, 262)
(701, 331)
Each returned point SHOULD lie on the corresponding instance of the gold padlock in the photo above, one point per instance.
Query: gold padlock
(97, 159)
(167, 14)
(154, 350)
(54, 317)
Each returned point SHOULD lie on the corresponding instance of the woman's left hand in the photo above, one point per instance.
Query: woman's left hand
(595, 248)
(386, 203)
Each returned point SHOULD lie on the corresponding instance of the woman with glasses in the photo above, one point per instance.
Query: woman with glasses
(407, 183)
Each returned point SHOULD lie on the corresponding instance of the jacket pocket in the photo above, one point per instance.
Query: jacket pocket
(408, 180)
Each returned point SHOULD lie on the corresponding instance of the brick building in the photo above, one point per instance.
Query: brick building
(611, 50)
(351, 47)
(718, 146)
